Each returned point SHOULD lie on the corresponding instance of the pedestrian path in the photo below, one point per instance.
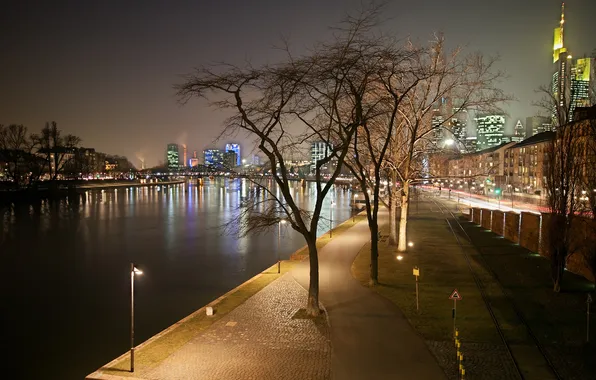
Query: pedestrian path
(269, 336)
(370, 336)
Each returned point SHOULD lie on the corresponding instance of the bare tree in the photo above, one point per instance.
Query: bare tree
(562, 170)
(468, 81)
(391, 73)
(58, 150)
(17, 151)
(302, 100)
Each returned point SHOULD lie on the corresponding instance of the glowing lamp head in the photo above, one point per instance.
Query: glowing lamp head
(410, 244)
(136, 271)
(400, 257)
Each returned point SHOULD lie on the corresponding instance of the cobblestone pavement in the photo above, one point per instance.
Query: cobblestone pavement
(481, 360)
(261, 339)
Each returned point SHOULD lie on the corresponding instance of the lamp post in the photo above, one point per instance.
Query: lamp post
(331, 219)
(133, 271)
(283, 221)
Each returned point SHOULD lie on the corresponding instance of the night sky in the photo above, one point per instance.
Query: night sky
(104, 70)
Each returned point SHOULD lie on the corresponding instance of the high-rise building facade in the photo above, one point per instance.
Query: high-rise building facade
(213, 158)
(230, 159)
(537, 124)
(318, 151)
(235, 148)
(583, 77)
(173, 157)
(572, 78)
(489, 131)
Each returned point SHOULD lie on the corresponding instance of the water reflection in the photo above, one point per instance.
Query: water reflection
(64, 271)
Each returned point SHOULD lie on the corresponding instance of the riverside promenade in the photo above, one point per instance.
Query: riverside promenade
(266, 334)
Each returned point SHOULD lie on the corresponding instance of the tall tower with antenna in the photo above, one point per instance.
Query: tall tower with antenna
(561, 79)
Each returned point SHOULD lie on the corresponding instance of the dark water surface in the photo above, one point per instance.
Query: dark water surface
(64, 269)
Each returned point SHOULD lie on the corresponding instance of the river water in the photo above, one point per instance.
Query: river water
(64, 269)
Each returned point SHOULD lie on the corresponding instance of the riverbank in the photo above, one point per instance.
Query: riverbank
(105, 186)
(151, 353)
(63, 189)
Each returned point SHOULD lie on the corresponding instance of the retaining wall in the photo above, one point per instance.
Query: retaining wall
(476, 215)
(486, 216)
(498, 222)
(511, 228)
(529, 234)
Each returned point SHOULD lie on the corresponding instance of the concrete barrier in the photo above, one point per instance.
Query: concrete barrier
(498, 222)
(529, 233)
(511, 229)
(486, 216)
(476, 215)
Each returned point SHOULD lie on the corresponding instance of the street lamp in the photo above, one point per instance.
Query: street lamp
(283, 221)
(133, 271)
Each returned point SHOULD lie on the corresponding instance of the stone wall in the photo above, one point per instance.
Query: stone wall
(511, 229)
(529, 235)
(486, 218)
(498, 222)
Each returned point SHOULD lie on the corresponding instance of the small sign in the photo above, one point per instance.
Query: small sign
(589, 300)
(455, 296)
(416, 272)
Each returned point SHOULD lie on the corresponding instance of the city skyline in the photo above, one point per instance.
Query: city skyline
(118, 97)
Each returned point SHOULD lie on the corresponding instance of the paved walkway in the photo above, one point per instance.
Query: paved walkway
(268, 338)
(260, 339)
(371, 338)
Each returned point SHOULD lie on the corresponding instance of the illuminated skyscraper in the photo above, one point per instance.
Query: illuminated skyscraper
(562, 65)
(318, 151)
(213, 158)
(235, 148)
(572, 79)
(489, 130)
(173, 157)
(583, 75)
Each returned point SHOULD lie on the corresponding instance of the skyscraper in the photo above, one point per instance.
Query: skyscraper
(489, 130)
(318, 151)
(213, 157)
(519, 132)
(173, 157)
(583, 75)
(230, 159)
(572, 79)
(236, 148)
(537, 124)
(562, 64)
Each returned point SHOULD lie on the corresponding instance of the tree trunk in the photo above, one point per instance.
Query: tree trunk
(558, 268)
(312, 306)
(393, 216)
(403, 220)
(374, 253)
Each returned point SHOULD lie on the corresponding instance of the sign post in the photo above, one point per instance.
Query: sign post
(416, 273)
(455, 296)
(588, 302)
